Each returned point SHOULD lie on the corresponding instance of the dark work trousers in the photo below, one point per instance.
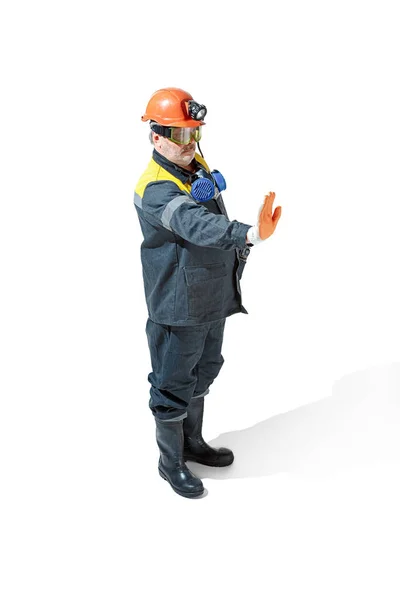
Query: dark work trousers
(185, 362)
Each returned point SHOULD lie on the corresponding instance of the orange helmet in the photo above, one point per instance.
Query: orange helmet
(174, 107)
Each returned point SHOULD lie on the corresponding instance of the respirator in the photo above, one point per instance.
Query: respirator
(206, 186)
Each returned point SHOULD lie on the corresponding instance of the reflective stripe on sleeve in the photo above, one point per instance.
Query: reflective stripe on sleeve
(171, 208)
(137, 200)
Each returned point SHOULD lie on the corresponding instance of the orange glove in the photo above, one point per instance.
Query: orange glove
(266, 222)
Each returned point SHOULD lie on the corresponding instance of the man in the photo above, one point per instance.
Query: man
(193, 257)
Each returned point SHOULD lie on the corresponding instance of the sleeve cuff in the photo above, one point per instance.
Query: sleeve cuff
(253, 236)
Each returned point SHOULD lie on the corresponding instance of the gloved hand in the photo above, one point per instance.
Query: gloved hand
(266, 221)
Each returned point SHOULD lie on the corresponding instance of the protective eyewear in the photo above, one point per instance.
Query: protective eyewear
(184, 135)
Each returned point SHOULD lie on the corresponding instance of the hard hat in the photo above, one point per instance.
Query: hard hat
(174, 107)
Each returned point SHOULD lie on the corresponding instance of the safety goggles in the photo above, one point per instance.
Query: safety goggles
(184, 135)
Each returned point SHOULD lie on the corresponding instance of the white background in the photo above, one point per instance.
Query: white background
(303, 99)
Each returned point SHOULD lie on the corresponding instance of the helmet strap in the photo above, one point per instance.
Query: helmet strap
(160, 129)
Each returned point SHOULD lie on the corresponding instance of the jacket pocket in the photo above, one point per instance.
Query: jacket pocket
(205, 289)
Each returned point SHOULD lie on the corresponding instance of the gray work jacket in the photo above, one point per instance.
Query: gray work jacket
(192, 255)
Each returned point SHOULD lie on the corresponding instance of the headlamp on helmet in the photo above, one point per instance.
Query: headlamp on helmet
(197, 111)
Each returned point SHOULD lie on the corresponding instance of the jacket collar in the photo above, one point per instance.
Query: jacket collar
(181, 174)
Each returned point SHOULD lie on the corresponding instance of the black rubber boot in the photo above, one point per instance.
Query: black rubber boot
(171, 466)
(195, 448)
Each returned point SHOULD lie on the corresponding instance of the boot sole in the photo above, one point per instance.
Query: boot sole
(184, 494)
(207, 464)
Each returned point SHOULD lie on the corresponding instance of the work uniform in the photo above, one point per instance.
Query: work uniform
(193, 259)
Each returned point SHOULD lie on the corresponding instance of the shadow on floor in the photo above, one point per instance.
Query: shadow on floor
(359, 425)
